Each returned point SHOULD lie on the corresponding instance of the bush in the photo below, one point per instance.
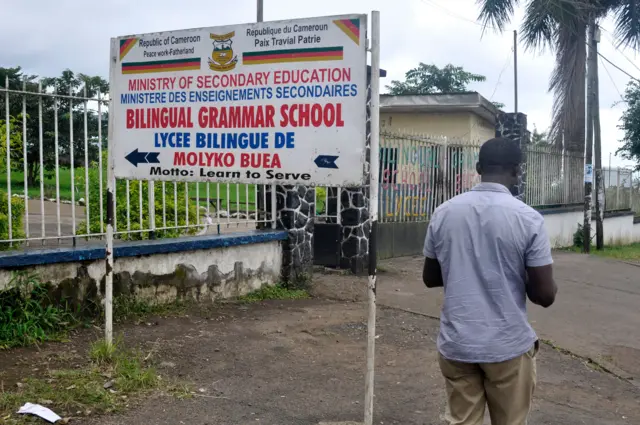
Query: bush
(27, 314)
(578, 237)
(321, 197)
(134, 210)
(17, 213)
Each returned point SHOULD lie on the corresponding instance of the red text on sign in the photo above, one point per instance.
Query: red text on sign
(260, 160)
(314, 115)
(204, 159)
(236, 116)
(179, 117)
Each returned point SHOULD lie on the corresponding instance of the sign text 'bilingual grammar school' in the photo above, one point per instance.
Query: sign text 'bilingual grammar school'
(274, 102)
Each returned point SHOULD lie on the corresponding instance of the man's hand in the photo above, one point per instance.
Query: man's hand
(431, 273)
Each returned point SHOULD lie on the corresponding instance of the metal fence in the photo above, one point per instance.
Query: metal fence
(553, 177)
(620, 193)
(419, 172)
(53, 169)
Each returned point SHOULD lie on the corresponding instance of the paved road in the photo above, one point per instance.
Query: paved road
(46, 213)
(596, 314)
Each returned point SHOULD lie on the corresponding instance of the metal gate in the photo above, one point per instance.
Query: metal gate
(327, 230)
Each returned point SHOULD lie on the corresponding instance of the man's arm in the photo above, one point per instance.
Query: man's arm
(431, 273)
(541, 287)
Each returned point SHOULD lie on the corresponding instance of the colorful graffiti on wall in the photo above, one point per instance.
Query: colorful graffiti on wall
(416, 179)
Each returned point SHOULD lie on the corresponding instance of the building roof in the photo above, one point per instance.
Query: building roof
(442, 102)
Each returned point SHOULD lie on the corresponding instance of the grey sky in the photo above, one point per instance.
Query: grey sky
(46, 37)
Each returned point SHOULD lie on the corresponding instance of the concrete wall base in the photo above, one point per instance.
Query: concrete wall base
(204, 269)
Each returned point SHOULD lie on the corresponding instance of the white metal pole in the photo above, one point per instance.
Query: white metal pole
(111, 182)
(274, 187)
(8, 141)
(43, 229)
(152, 208)
(373, 205)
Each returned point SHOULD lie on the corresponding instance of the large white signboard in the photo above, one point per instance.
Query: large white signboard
(273, 102)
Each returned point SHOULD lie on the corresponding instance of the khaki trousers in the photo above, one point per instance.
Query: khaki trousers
(507, 388)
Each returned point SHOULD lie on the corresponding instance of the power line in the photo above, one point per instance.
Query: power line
(450, 13)
(612, 42)
(612, 81)
(455, 15)
(617, 67)
(504, 68)
(600, 54)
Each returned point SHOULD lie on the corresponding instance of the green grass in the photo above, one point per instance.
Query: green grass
(105, 385)
(130, 309)
(276, 292)
(619, 252)
(28, 316)
(17, 184)
(236, 192)
(623, 252)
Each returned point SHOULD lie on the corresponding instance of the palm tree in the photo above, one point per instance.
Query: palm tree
(561, 26)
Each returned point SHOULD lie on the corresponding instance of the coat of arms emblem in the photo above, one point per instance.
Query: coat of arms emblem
(222, 57)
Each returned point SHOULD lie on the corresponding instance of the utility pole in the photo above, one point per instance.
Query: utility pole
(597, 141)
(592, 62)
(515, 71)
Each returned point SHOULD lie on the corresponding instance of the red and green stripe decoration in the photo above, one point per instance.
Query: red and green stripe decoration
(126, 44)
(317, 54)
(351, 27)
(172, 65)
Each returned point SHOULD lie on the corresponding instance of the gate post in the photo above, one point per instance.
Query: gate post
(354, 203)
(513, 126)
(354, 214)
(295, 210)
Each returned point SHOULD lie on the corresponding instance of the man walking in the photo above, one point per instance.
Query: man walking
(490, 252)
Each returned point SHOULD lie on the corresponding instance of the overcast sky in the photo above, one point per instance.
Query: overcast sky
(46, 37)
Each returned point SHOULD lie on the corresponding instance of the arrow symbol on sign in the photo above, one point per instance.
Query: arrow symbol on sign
(136, 157)
(326, 161)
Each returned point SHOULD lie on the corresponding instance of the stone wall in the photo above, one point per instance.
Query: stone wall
(354, 211)
(295, 209)
(355, 229)
(513, 126)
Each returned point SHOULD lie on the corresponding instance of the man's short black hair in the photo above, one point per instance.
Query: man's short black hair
(499, 155)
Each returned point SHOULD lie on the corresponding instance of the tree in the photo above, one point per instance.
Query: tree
(561, 25)
(67, 83)
(630, 124)
(539, 138)
(15, 140)
(429, 79)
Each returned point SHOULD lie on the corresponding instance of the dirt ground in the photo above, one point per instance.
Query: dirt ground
(302, 362)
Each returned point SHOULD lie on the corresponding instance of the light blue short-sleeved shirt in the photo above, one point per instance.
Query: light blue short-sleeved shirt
(483, 240)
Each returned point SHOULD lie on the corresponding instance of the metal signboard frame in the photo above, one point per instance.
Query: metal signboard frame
(323, 153)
